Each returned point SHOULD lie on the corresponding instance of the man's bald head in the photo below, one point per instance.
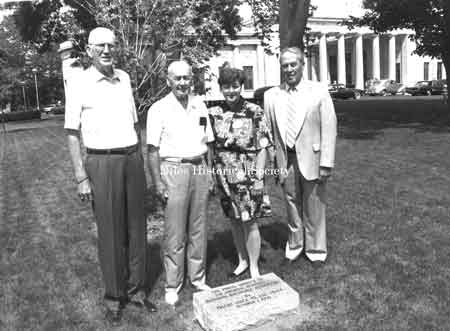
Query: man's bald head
(179, 78)
(101, 35)
(177, 67)
(100, 49)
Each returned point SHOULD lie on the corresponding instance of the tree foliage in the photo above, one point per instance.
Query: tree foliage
(17, 59)
(149, 32)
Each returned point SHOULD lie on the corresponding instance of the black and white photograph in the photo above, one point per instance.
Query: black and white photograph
(224, 165)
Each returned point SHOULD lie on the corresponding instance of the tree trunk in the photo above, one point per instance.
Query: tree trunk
(446, 61)
(292, 24)
(446, 46)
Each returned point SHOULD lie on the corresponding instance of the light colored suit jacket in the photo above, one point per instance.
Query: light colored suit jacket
(316, 123)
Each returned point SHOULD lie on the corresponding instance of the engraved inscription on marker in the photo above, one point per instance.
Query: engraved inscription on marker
(242, 304)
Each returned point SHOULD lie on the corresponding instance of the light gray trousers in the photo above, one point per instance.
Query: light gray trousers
(305, 201)
(185, 234)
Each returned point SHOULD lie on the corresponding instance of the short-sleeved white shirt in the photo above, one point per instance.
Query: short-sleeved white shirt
(103, 108)
(179, 132)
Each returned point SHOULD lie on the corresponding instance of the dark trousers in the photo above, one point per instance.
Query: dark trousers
(118, 185)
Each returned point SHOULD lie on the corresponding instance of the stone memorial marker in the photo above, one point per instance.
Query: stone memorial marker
(246, 303)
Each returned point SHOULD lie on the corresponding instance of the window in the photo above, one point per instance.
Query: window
(426, 70)
(439, 70)
(248, 71)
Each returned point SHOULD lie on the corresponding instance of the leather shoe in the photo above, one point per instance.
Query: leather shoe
(232, 275)
(201, 287)
(113, 316)
(145, 304)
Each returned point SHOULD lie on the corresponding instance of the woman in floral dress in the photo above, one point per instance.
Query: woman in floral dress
(242, 137)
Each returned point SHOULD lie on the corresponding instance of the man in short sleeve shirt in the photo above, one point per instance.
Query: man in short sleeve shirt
(178, 134)
(100, 106)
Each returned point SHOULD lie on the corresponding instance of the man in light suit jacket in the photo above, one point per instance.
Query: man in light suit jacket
(304, 128)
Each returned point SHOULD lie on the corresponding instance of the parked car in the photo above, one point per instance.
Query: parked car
(57, 108)
(47, 109)
(339, 91)
(445, 93)
(427, 87)
(385, 87)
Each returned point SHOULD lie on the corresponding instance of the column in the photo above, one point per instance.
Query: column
(359, 67)
(305, 68)
(392, 57)
(376, 57)
(404, 60)
(236, 62)
(260, 67)
(341, 60)
(353, 63)
(323, 58)
(313, 66)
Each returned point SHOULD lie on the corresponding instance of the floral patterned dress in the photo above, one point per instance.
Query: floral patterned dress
(240, 133)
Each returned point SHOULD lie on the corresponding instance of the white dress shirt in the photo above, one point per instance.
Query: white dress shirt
(103, 108)
(179, 132)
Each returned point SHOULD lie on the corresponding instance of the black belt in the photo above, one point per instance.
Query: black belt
(195, 160)
(120, 151)
(290, 150)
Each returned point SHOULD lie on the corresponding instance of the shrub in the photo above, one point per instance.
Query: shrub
(20, 116)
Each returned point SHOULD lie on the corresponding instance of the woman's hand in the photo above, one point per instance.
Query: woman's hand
(84, 190)
(258, 186)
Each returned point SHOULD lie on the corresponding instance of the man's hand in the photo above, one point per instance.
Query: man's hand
(212, 184)
(161, 192)
(84, 190)
(324, 174)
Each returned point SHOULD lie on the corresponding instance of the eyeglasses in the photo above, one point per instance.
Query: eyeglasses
(179, 78)
(101, 47)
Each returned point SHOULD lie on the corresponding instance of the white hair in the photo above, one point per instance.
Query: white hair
(175, 65)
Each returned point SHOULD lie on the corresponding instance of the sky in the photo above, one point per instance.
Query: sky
(325, 8)
(337, 8)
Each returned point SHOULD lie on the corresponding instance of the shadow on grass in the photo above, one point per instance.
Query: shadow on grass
(221, 245)
(365, 119)
(274, 234)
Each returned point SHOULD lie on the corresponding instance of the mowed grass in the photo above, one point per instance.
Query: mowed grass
(388, 232)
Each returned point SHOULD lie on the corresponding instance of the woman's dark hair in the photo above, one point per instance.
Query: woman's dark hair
(229, 75)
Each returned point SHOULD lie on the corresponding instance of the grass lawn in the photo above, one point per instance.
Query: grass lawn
(388, 232)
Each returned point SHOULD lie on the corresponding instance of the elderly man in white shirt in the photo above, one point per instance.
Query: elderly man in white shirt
(178, 134)
(304, 128)
(100, 105)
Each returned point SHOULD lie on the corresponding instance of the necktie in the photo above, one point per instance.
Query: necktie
(291, 128)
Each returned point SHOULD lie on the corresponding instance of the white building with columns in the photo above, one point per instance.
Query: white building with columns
(337, 54)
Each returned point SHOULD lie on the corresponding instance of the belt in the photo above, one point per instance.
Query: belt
(121, 150)
(193, 160)
(290, 150)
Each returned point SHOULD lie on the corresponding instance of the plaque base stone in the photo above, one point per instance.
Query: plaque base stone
(243, 304)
